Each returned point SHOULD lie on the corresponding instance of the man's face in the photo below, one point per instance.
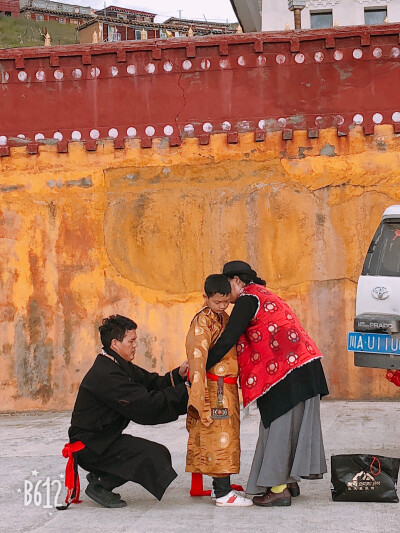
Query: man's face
(127, 347)
(217, 302)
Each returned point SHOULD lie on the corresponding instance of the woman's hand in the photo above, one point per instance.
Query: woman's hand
(183, 369)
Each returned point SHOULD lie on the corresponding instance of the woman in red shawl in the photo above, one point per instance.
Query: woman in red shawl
(280, 368)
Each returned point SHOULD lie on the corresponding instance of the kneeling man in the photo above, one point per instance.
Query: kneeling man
(113, 392)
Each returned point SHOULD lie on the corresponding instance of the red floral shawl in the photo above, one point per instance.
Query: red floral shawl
(273, 344)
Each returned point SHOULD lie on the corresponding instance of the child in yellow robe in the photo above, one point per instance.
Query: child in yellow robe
(213, 423)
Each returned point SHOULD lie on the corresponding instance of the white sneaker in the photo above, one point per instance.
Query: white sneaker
(233, 499)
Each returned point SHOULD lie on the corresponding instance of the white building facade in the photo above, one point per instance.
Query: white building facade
(329, 13)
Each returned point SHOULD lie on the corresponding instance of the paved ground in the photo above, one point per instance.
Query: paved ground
(32, 443)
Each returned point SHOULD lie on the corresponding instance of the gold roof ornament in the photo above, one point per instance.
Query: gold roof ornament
(335, 24)
(143, 34)
(95, 37)
(386, 20)
(239, 29)
(190, 32)
(287, 27)
(47, 41)
(169, 34)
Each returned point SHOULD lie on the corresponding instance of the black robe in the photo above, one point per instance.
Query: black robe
(113, 393)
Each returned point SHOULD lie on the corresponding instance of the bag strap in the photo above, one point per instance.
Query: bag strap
(379, 466)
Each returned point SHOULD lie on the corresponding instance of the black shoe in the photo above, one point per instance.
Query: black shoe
(313, 476)
(92, 478)
(294, 489)
(104, 497)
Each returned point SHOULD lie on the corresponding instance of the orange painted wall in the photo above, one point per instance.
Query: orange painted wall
(135, 231)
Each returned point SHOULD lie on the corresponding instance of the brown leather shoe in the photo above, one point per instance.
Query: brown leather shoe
(294, 489)
(270, 499)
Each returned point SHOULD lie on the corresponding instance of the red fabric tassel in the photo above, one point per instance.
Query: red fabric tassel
(71, 472)
(393, 376)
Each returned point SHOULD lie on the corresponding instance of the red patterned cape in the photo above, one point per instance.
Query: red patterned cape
(273, 344)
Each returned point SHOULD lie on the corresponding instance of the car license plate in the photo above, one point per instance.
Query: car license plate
(373, 343)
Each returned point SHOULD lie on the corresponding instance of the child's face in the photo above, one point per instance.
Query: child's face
(217, 302)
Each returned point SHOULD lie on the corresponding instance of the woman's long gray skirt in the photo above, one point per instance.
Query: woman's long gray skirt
(290, 448)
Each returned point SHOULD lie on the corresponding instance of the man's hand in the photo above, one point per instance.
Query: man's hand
(183, 369)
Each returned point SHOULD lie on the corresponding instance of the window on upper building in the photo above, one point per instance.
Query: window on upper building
(39, 17)
(61, 20)
(321, 19)
(376, 15)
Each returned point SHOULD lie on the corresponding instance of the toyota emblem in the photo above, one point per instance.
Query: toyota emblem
(380, 293)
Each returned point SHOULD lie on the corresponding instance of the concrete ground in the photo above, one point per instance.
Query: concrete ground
(31, 467)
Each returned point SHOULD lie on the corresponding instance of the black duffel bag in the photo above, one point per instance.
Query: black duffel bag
(364, 478)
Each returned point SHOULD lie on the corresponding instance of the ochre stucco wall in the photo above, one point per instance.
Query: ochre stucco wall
(135, 231)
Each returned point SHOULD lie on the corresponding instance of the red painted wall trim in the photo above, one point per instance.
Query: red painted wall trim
(196, 87)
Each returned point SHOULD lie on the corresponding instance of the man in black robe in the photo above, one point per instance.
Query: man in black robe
(113, 392)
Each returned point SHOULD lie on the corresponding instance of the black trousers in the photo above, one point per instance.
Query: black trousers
(222, 486)
(131, 459)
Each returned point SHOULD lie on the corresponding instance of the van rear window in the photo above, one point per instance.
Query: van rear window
(383, 256)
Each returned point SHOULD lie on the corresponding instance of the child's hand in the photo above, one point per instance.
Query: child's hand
(193, 412)
(183, 369)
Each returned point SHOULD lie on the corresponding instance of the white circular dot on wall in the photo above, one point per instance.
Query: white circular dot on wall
(338, 55)
(6, 76)
(224, 63)
(395, 52)
(95, 72)
(76, 135)
(3, 140)
(131, 69)
(168, 66)
(131, 132)
(188, 129)
(358, 119)
(243, 125)
(187, 64)
(21, 136)
(205, 64)
(168, 130)
(261, 124)
(241, 61)
(299, 58)
(22, 75)
(319, 121)
(282, 122)
(396, 116)
(357, 53)
(226, 126)
(77, 73)
(377, 118)
(150, 68)
(150, 131)
(58, 136)
(94, 134)
(58, 74)
(280, 59)
(39, 137)
(40, 75)
(114, 71)
(339, 120)
(207, 127)
(319, 57)
(377, 53)
(113, 133)
(261, 61)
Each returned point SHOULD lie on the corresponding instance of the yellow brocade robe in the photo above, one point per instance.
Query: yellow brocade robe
(213, 445)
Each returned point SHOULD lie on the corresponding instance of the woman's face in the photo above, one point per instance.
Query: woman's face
(236, 285)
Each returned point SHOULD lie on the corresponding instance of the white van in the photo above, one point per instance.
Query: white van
(376, 337)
